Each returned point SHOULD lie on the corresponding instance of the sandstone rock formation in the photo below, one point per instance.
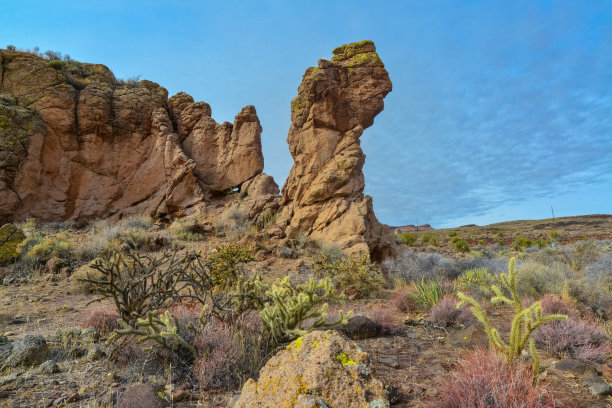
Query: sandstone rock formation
(75, 143)
(320, 369)
(323, 195)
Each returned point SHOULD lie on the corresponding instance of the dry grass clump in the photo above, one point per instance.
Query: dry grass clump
(445, 313)
(576, 338)
(401, 299)
(103, 319)
(483, 380)
(79, 280)
(383, 317)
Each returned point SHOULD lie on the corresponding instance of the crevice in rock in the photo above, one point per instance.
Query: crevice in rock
(172, 118)
(77, 96)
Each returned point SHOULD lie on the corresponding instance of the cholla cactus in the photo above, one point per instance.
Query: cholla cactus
(159, 329)
(525, 320)
(290, 305)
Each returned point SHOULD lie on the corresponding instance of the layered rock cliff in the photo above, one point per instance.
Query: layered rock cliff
(323, 195)
(75, 143)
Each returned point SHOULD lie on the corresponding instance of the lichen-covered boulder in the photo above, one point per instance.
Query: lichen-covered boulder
(320, 369)
(10, 238)
(28, 351)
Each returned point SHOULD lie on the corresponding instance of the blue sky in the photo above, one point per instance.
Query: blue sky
(499, 109)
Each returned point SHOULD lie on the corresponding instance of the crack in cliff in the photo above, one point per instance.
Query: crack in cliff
(77, 96)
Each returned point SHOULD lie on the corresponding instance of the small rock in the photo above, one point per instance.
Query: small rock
(575, 367)
(90, 335)
(7, 379)
(49, 367)
(598, 386)
(59, 400)
(389, 362)
(412, 335)
(360, 327)
(95, 353)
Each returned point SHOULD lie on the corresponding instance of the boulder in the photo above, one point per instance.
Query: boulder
(78, 144)
(320, 369)
(323, 195)
(10, 238)
(360, 327)
(28, 351)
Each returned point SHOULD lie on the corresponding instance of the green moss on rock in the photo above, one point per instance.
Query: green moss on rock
(10, 238)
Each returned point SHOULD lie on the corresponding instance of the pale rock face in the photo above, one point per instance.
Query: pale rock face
(76, 144)
(320, 369)
(323, 195)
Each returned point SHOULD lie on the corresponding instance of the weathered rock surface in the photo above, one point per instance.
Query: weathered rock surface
(320, 369)
(28, 351)
(141, 396)
(75, 143)
(323, 195)
(260, 199)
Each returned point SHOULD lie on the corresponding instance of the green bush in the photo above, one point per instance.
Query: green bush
(428, 238)
(461, 245)
(427, 294)
(407, 239)
(536, 279)
(521, 243)
(39, 249)
(186, 230)
(352, 272)
(10, 239)
(476, 281)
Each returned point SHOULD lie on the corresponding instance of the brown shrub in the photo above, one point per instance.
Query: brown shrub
(103, 319)
(383, 317)
(401, 300)
(445, 312)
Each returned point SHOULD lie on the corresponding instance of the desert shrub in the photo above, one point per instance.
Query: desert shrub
(445, 312)
(187, 229)
(413, 266)
(599, 272)
(427, 293)
(476, 281)
(521, 243)
(452, 234)
(356, 273)
(598, 298)
(483, 380)
(383, 317)
(81, 279)
(233, 224)
(288, 306)
(428, 238)
(137, 284)
(524, 322)
(461, 245)
(39, 249)
(495, 265)
(52, 55)
(103, 319)
(553, 304)
(575, 338)
(230, 354)
(536, 279)
(407, 239)
(401, 299)
(11, 47)
(226, 262)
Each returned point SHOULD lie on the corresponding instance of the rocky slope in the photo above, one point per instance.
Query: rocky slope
(78, 144)
(323, 195)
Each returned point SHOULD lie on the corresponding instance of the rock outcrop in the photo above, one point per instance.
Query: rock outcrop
(320, 369)
(323, 195)
(75, 143)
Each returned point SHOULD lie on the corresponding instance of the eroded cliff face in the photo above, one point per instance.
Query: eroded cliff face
(75, 143)
(323, 195)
